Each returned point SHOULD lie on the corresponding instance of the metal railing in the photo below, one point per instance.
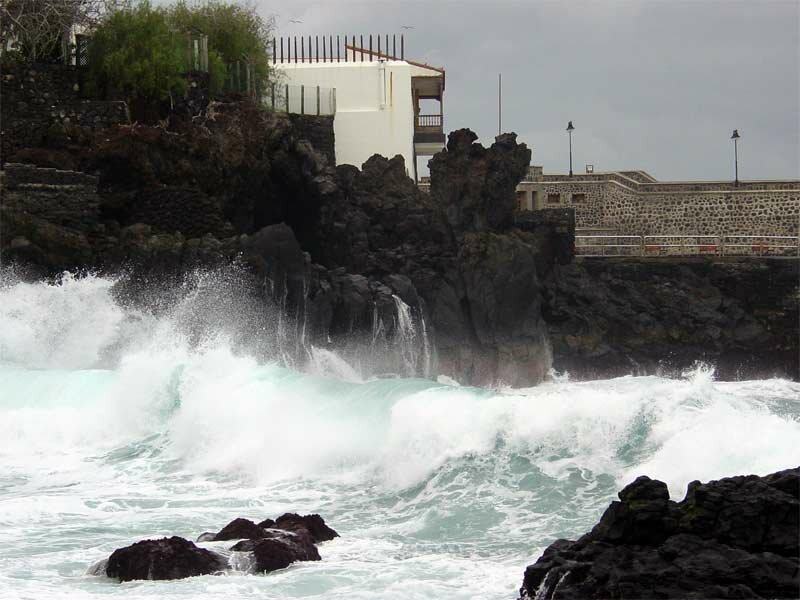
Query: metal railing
(301, 99)
(687, 245)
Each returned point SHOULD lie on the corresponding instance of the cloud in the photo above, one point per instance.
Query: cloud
(651, 85)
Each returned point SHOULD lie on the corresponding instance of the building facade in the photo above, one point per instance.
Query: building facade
(377, 95)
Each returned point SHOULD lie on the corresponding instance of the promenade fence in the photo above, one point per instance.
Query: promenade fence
(687, 245)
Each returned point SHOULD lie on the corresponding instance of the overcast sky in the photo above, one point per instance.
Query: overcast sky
(653, 85)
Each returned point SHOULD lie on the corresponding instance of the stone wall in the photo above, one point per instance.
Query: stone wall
(618, 203)
(318, 131)
(37, 97)
(63, 198)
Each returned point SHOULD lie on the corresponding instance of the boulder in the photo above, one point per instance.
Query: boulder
(731, 538)
(167, 558)
(314, 524)
(240, 529)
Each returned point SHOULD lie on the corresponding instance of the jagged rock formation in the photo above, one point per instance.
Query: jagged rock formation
(343, 252)
(731, 538)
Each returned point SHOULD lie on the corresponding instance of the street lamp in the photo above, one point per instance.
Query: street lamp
(735, 137)
(570, 129)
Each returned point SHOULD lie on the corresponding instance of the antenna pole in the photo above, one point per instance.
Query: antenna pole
(499, 103)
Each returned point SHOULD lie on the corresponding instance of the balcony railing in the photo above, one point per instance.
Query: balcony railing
(429, 122)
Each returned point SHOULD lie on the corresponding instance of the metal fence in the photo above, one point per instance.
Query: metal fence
(301, 99)
(687, 245)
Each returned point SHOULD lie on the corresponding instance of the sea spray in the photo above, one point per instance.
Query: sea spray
(171, 421)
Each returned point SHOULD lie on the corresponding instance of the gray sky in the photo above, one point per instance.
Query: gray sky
(653, 85)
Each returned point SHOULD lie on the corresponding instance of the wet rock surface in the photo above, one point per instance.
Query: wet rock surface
(167, 558)
(272, 544)
(732, 538)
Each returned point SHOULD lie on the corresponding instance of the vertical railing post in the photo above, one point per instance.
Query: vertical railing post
(370, 47)
(402, 47)
(281, 49)
(330, 46)
(316, 47)
(274, 51)
(302, 49)
(361, 44)
(287, 97)
(338, 54)
(379, 47)
(295, 49)
(394, 46)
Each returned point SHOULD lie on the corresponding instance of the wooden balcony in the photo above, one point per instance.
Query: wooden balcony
(428, 129)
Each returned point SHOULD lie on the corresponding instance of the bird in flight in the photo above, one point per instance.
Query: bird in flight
(406, 27)
(295, 21)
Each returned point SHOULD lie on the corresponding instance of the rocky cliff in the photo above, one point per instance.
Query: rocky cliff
(344, 253)
(361, 258)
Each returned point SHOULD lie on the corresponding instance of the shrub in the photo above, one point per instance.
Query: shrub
(236, 32)
(135, 52)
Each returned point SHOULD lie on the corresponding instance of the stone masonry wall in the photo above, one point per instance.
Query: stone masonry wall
(34, 98)
(706, 208)
(65, 198)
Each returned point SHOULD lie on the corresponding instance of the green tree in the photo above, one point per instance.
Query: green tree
(136, 52)
(236, 33)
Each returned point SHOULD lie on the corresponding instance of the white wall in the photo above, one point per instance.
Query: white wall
(374, 109)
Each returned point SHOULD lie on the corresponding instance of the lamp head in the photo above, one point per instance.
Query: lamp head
(569, 126)
(735, 135)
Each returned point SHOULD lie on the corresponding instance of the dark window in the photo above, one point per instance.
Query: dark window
(521, 205)
(578, 197)
(553, 198)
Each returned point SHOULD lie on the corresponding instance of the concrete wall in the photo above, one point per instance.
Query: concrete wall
(374, 108)
(621, 204)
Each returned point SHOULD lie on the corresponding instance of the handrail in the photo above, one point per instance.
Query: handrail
(429, 121)
(687, 245)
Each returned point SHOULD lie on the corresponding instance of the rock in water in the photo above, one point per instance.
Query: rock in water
(314, 524)
(240, 529)
(732, 538)
(279, 549)
(167, 558)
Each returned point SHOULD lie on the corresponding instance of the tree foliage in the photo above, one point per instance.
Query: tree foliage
(135, 52)
(236, 32)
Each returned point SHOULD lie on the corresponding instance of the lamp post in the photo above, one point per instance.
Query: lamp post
(735, 137)
(570, 129)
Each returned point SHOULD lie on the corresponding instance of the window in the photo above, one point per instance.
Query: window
(521, 204)
(553, 198)
(578, 198)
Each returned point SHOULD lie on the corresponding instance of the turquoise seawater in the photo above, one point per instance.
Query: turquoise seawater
(116, 426)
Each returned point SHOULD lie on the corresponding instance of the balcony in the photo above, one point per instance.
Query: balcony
(428, 134)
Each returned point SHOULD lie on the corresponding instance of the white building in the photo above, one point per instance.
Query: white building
(377, 95)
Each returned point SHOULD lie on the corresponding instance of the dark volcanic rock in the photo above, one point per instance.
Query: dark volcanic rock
(610, 317)
(476, 186)
(732, 538)
(240, 529)
(167, 558)
(279, 550)
(314, 524)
